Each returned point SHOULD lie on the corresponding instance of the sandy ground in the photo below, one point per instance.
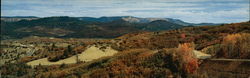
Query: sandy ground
(201, 55)
(89, 54)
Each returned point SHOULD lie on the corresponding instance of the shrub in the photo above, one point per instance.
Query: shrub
(236, 46)
(189, 62)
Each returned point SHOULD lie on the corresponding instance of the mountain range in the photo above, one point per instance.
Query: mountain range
(85, 27)
(130, 19)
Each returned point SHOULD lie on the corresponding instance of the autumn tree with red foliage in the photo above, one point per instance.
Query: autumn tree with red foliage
(189, 62)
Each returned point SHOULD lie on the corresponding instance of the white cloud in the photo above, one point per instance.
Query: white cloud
(187, 10)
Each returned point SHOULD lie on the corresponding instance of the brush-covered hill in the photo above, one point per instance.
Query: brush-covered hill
(160, 54)
(202, 37)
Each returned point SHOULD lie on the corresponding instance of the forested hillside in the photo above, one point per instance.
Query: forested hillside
(71, 27)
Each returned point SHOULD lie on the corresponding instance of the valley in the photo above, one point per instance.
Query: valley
(200, 52)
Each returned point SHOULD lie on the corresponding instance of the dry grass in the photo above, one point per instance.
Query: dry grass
(89, 54)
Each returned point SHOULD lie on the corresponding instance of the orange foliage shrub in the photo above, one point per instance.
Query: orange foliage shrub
(186, 51)
(190, 63)
(191, 66)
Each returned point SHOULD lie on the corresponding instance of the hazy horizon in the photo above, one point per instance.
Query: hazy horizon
(193, 11)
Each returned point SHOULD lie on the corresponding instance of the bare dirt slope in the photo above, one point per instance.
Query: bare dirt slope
(89, 54)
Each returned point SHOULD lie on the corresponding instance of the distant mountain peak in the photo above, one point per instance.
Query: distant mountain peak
(130, 19)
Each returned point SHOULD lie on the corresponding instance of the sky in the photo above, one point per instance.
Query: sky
(193, 11)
